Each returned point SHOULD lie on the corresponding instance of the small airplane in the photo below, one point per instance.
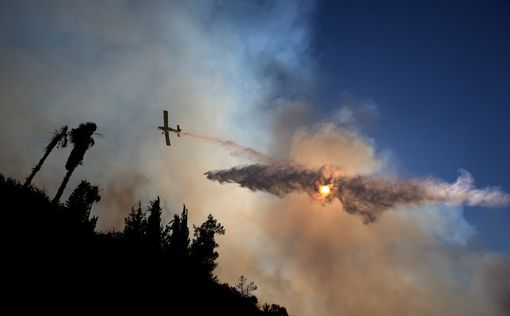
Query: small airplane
(167, 129)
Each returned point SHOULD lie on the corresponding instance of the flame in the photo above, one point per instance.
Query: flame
(325, 190)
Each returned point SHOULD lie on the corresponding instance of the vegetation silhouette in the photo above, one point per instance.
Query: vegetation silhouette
(59, 139)
(246, 289)
(54, 256)
(81, 138)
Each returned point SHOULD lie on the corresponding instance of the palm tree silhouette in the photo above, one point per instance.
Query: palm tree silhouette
(59, 139)
(81, 138)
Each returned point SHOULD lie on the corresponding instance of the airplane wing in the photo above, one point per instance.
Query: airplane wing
(167, 138)
(165, 118)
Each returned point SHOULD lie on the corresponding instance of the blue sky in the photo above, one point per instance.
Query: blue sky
(439, 72)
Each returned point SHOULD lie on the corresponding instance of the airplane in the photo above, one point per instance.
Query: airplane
(167, 129)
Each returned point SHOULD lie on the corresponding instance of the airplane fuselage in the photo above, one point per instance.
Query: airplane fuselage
(169, 129)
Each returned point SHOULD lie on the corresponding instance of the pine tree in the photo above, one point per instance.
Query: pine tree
(178, 236)
(154, 230)
(203, 253)
(135, 224)
(80, 204)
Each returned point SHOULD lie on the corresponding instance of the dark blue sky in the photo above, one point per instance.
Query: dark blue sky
(439, 72)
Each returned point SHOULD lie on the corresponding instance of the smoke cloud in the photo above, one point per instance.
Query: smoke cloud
(305, 253)
(363, 195)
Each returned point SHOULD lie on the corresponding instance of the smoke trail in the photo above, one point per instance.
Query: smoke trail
(463, 191)
(235, 149)
(277, 180)
(363, 195)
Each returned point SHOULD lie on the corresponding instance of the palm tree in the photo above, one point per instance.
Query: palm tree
(59, 139)
(81, 138)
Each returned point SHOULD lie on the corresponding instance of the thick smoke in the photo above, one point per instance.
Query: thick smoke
(363, 195)
(277, 180)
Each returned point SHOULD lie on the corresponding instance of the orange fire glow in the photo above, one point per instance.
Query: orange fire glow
(324, 190)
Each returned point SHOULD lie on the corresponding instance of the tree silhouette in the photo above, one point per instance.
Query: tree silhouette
(246, 289)
(274, 310)
(154, 229)
(81, 138)
(203, 247)
(52, 243)
(177, 235)
(134, 228)
(59, 139)
(80, 204)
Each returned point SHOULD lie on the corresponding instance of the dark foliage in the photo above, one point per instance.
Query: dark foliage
(79, 205)
(59, 139)
(202, 251)
(54, 260)
(81, 138)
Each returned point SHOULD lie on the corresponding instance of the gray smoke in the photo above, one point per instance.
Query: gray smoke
(363, 195)
(277, 180)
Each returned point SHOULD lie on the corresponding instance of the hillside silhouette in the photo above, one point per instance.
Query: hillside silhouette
(53, 256)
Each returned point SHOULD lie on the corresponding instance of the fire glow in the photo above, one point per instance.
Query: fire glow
(324, 190)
